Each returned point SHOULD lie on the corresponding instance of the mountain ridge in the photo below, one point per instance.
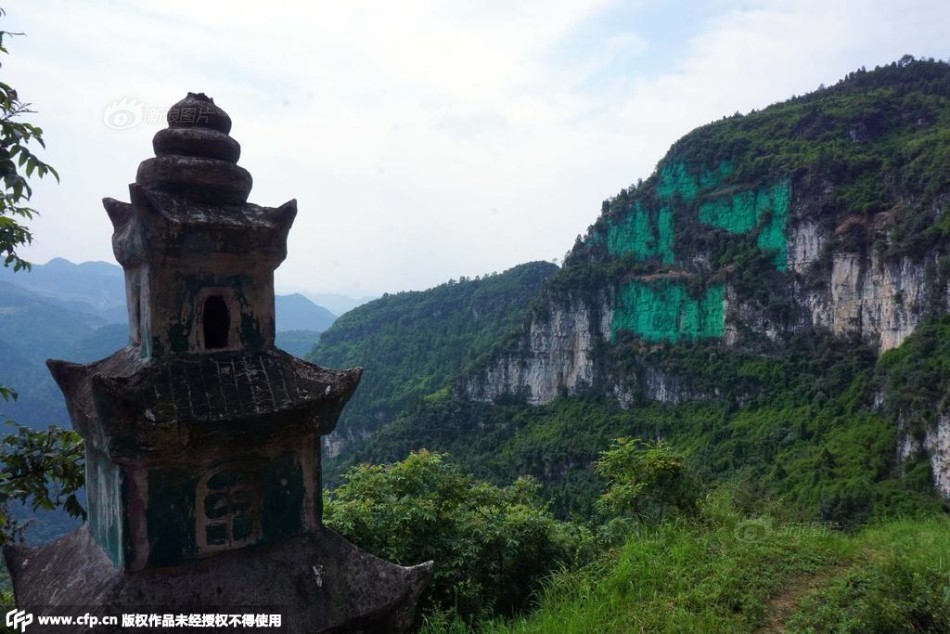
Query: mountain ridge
(745, 290)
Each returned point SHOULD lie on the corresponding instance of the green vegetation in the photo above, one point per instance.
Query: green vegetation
(413, 344)
(915, 376)
(730, 573)
(796, 433)
(491, 545)
(868, 160)
(645, 481)
(899, 581)
(41, 468)
(708, 566)
(297, 342)
(15, 154)
(767, 490)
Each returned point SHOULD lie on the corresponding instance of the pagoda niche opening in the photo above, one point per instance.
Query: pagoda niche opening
(216, 322)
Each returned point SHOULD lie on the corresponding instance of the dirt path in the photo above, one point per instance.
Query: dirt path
(783, 605)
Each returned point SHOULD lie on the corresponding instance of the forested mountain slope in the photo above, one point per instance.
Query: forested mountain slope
(413, 344)
(826, 213)
(824, 216)
(737, 303)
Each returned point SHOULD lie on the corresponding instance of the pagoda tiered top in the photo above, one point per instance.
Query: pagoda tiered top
(192, 196)
(195, 156)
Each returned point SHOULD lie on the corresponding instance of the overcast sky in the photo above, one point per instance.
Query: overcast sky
(424, 140)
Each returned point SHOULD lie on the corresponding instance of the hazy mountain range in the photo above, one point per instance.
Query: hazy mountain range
(78, 312)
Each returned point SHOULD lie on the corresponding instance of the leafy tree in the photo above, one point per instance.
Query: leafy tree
(491, 545)
(15, 155)
(44, 468)
(645, 480)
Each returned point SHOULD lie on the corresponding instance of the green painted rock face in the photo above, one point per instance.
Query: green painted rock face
(665, 310)
(644, 233)
(765, 209)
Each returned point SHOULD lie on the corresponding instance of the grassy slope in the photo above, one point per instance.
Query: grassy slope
(747, 575)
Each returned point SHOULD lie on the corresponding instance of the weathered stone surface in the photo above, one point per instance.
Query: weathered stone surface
(129, 407)
(195, 157)
(202, 439)
(935, 443)
(556, 354)
(196, 142)
(204, 179)
(158, 225)
(318, 582)
(198, 110)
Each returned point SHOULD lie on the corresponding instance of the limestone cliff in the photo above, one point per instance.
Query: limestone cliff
(935, 445)
(829, 213)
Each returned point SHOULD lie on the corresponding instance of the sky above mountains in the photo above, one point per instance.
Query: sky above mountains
(424, 140)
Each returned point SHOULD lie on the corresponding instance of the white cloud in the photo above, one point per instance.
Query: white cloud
(424, 140)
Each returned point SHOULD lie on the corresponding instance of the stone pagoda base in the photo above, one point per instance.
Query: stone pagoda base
(317, 582)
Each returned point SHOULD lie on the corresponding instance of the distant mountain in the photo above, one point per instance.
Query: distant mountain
(338, 303)
(96, 287)
(34, 328)
(297, 342)
(296, 312)
(39, 326)
(77, 312)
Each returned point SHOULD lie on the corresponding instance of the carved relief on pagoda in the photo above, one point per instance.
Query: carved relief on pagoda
(227, 510)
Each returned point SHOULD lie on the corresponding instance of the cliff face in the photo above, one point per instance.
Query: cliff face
(880, 301)
(826, 214)
(412, 344)
(556, 353)
(935, 445)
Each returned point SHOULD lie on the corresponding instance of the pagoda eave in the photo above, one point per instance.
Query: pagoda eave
(123, 406)
(157, 225)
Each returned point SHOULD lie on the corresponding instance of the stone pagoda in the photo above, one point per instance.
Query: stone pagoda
(202, 439)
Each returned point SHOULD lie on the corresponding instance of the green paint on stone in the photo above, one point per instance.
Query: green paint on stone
(104, 484)
(665, 311)
(643, 233)
(648, 233)
(170, 516)
(744, 211)
(737, 213)
(709, 179)
(676, 180)
(283, 503)
(664, 230)
(774, 202)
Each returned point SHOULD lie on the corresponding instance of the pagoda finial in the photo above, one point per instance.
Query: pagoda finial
(195, 157)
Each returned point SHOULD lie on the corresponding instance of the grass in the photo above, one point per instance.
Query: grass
(900, 584)
(727, 573)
